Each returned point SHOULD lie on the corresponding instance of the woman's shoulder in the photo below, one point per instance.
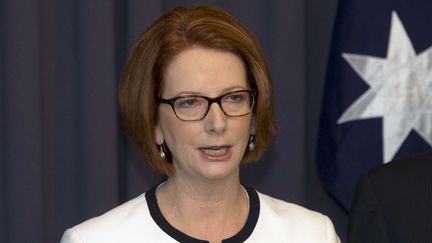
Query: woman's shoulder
(116, 221)
(291, 219)
(286, 209)
(118, 214)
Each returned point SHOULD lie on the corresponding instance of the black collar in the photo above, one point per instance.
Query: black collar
(241, 236)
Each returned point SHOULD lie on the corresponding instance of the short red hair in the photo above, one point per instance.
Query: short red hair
(177, 30)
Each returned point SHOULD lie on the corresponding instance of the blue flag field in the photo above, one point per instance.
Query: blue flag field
(377, 101)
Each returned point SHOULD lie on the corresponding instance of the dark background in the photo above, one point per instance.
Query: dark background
(64, 156)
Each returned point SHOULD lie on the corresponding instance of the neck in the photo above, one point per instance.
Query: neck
(204, 191)
(212, 211)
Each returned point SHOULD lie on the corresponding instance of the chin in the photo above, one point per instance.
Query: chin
(220, 170)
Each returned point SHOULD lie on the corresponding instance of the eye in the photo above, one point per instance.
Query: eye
(189, 102)
(235, 97)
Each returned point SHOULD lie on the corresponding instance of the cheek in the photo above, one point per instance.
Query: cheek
(243, 129)
(177, 133)
(246, 124)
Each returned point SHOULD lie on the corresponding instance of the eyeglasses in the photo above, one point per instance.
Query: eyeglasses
(195, 107)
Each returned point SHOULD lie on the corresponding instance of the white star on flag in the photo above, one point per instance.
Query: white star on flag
(400, 90)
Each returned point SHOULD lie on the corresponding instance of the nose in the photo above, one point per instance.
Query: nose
(216, 119)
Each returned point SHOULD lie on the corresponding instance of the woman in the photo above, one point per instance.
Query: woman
(196, 99)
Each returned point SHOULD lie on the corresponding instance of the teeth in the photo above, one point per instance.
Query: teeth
(215, 151)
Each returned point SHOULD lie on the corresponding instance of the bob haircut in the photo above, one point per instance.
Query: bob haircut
(180, 29)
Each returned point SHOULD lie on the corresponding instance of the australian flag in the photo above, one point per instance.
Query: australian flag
(377, 103)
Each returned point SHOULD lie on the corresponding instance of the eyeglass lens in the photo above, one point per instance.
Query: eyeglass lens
(196, 107)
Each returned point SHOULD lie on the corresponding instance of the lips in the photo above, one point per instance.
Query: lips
(216, 152)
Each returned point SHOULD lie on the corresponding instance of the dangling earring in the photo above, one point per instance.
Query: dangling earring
(251, 145)
(162, 152)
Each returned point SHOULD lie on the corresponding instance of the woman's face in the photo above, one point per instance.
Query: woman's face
(213, 147)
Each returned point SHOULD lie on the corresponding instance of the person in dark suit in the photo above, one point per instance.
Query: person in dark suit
(393, 203)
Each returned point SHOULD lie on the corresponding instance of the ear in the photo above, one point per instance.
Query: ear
(158, 136)
(253, 125)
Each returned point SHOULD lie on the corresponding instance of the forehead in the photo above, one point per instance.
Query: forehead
(204, 71)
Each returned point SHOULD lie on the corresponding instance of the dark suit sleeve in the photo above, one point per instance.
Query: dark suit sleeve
(367, 222)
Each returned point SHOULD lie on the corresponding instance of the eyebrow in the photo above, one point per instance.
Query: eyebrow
(199, 93)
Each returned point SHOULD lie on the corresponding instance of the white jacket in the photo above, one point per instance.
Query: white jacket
(140, 220)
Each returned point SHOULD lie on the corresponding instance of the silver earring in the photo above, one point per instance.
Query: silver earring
(162, 152)
(251, 145)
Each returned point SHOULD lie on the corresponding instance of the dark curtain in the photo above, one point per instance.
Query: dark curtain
(64, 156)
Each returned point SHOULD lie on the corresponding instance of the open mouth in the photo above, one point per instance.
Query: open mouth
(215, 151)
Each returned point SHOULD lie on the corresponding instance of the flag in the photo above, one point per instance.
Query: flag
(377, 101)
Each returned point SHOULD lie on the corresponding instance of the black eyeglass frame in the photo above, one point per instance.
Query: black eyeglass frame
(210, 100)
